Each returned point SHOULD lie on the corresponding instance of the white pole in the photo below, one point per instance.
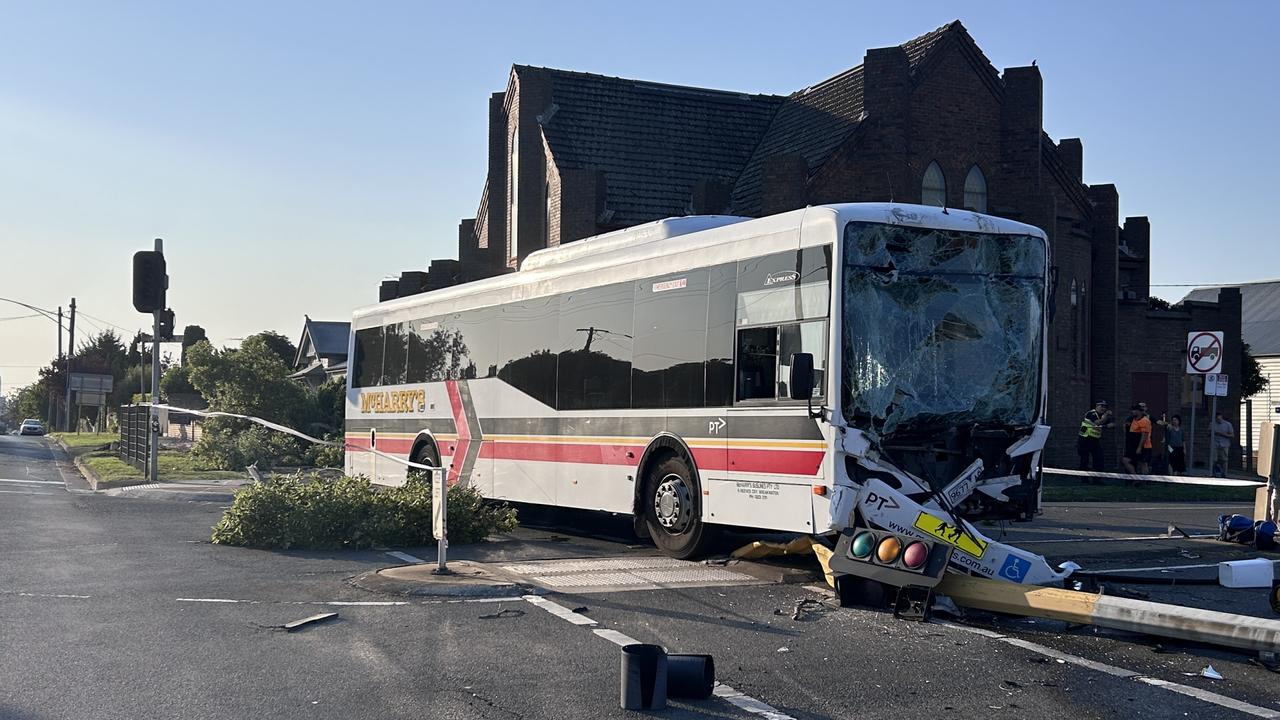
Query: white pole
(440, 502)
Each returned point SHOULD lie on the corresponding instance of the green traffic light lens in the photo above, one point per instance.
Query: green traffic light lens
(862, 544)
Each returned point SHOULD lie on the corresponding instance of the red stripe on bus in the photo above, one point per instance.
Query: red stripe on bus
(464, 430)
(782, 462)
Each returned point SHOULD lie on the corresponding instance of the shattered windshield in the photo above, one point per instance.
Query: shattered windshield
(941, 328)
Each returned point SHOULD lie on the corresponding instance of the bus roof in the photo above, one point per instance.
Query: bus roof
(632, 245)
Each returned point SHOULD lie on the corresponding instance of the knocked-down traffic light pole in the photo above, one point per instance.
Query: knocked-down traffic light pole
(150, 281)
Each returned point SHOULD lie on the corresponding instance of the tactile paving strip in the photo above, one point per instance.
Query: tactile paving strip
(619, 574)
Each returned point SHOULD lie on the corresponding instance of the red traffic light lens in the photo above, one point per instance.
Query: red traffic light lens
(888, 549)
(915, 555)
(862, 544)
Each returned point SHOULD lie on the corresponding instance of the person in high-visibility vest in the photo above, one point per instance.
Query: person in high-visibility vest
(1089, 443)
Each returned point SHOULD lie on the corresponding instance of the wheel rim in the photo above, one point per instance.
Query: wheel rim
(673, 504)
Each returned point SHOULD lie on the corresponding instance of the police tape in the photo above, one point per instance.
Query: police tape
(290, 431)
(1170, 479)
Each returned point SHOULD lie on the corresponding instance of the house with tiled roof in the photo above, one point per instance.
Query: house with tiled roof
(322, 351)
(574, 154)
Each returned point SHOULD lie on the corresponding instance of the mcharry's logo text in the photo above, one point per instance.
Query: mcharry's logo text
(393, 401)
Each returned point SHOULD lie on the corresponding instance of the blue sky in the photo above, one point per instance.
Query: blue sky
(294, 153)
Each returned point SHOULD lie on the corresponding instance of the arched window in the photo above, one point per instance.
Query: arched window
(975, 190)
(933, 189)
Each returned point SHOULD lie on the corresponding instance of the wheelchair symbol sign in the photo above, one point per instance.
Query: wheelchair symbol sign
(1015, 569)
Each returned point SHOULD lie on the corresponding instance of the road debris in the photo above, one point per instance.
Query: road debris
(502, 614)
(299, 624)
(784, 649)
(1209, 672)
(1175, 531)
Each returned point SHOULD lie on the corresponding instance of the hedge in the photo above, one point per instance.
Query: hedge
(297, 512)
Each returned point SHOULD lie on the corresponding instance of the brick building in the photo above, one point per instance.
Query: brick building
(573, 155)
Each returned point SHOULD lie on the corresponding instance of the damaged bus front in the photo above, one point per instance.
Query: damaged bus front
(940, 411)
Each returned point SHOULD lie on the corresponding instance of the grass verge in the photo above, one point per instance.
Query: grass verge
(114, 472)
(85, 440)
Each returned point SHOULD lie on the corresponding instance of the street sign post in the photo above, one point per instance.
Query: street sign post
(1204, 357)
(1215, 384)
(440, 519)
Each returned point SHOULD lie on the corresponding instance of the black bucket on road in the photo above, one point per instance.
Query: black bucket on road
(691, 676)
(644, 677)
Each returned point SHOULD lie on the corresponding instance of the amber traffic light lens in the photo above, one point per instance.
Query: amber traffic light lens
(888, 549)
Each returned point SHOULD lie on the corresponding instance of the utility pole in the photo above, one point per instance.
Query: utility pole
(71, 348)
(56, 420)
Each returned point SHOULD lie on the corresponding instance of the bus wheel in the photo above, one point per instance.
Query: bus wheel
(673, 510)
(426, 455)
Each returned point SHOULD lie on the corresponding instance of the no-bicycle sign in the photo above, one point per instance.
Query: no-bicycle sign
(1204, 352)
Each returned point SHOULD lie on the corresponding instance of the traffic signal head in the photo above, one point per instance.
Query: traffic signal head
(149, 281)
(166, 324)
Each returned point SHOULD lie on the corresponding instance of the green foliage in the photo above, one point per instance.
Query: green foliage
(251, 380)
(275, 342)
(233, 444)
(294, 512)
(329, 456)
(176, 381)
(29, 401)
(1252, 381)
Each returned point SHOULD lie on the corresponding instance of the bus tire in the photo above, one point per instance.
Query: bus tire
(672, 505)
(426, 454)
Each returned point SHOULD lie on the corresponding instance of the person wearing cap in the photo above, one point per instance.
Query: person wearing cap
(1089, 442)
(1137, 443)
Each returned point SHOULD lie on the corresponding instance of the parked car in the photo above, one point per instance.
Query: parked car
(31, 426)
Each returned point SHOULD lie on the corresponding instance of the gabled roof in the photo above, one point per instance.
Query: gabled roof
(322, 339)
(652, 141)
(817, 120)
(1259, 313)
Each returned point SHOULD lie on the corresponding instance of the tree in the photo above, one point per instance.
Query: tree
(1252, 381)
(251, 380)
(276, 343)
(191, 335)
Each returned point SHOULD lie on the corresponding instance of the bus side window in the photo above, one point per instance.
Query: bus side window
(368, 366)
(757, 363)
(809, 337)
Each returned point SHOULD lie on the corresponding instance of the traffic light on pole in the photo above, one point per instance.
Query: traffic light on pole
(166, 324)
(149, 281)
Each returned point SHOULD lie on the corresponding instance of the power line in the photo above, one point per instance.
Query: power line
(21, 317)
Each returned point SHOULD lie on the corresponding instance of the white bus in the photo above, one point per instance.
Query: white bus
(722, 371)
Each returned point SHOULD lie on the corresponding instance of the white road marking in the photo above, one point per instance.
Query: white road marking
(53, 595)
(31, 482)
(616, 637)
(1212, 697)
(722, 691)
(559, 610)
(1194, 692)
(25, 492)
(748, 703)
(406, 557)
(1118, 539)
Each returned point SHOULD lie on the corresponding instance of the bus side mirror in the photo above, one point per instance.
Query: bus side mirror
(801, 380)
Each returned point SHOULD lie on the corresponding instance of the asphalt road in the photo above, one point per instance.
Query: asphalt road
(117, 607)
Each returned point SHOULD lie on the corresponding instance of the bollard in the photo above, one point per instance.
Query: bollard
(644, 677)
(690, 676)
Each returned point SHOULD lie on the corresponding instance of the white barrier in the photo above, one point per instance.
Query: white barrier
(1170, 479)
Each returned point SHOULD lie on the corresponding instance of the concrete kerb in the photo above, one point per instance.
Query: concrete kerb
(468, 580)
(87, 472)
